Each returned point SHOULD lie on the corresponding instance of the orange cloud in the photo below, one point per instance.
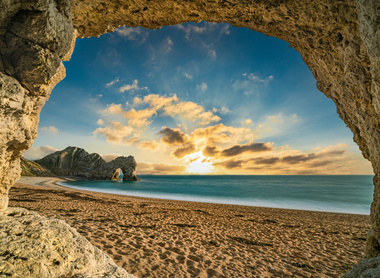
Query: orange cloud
(151, 145)
(139, 118)
(191, 111)
(215, 151)
(173, 137)
(113, 109)
(251, 148)
(183, 151)
(168, 168)
(168, 106)
(144, 168)
(223, 134)
(295, 162)
(230, 164)
(116, 132)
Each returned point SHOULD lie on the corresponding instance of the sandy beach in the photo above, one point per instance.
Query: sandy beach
(162, 238)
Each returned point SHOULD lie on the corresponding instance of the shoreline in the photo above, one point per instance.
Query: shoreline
(166, 238)
(56, 183)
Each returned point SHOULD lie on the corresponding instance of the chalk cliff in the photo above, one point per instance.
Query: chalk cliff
(74, 161)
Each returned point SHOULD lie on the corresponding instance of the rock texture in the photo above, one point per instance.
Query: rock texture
(339, 41)
(35, 246)
(33, 169)
(35, 36)
(369, 268)
(74, 161)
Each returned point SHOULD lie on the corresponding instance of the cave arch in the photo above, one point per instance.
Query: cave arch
(339, 41)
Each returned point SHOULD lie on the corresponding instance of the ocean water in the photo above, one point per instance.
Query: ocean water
(348, 194)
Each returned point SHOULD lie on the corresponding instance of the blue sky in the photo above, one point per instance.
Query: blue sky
(197, 98)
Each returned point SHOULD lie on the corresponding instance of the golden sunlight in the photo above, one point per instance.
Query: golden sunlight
(198, 164)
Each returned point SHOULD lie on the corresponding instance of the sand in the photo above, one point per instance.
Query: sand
(162, 238)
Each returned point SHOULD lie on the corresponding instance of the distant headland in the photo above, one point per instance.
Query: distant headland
(76, 162)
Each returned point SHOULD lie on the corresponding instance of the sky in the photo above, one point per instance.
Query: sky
(197, 98)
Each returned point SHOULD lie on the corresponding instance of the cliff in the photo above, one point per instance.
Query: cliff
(33, 169)
(74, 161)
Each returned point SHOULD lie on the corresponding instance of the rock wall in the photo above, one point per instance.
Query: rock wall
(35, 246)
(339, 41)
(74, 161)
(35, 37)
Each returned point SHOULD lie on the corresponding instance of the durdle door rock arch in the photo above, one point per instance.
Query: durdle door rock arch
(74, 161)
(338, 40)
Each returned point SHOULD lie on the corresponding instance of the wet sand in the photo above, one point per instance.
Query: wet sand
(164, 238)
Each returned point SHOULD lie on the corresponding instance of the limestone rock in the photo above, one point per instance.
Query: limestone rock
(33, 169)
(369, 268)
(30, 67)
(35, 246)
(74, 161)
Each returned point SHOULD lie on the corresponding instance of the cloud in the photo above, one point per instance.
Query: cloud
(100, 122)
(237, 149)
(211, 52)
(266, 160)
(278, 124)
(290, 161)
(139, 118)
(110, 84)
(295, 159)
(51, 129)
(229, 164)
(251, 83)
(110, 157)
(168, 45)
(202, 87)
(183, 151)
(150, 145)
(134, 86)
(157, 101)
(256, 78)
(113, 109)
(223, 134)
(39, 152)
(188, 76)
(168, 168)
(164, 105)
(191, 111)
(211, 151)
(246, 122)
(224, 110)
(173, 137)
(144, 168)
(116, 132)
(207, 27)
(132, 33)
(244, 86)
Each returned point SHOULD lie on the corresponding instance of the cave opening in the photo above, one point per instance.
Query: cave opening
(185, 78)
(331, 71)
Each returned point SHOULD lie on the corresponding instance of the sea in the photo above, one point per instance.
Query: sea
(345, 194)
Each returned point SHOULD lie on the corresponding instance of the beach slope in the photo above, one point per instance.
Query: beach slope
(162, 238)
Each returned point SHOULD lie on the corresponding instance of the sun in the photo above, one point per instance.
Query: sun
(198, 164)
